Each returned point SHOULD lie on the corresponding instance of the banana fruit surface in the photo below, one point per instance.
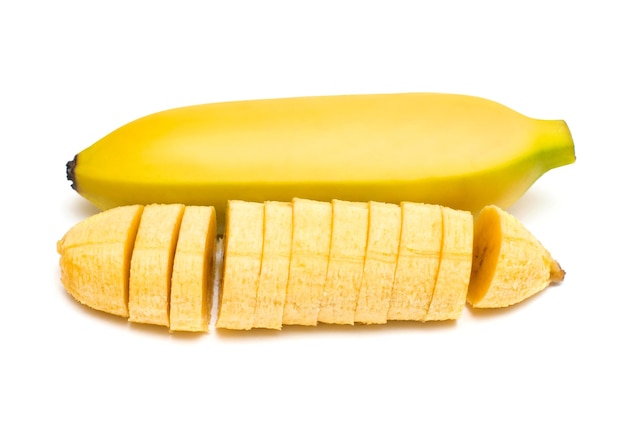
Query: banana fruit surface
(459, 151)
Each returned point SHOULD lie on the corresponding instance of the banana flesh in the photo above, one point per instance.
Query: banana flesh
(275, 262)
(458, 151)
(381, 253)
(417, 261)
(301, 262)
(193, 270)
(105, 241)
(505, 252)
(346, 260)
(310, 249)
(151, 264)
(243, 250)
(455, 265)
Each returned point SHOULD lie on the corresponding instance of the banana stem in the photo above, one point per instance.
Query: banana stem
(69, 171)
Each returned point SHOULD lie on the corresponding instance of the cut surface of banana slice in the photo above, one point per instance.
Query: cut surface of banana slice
(345, 262)
(272, 287)
(418, 261)
(243, 249)
(151, 263)
(448, 298)
(380, 263)
(192, 274)
(310, 248)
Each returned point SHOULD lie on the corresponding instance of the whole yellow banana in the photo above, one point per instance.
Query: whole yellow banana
(459, 151)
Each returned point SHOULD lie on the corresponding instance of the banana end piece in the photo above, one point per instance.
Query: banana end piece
(509, 263)
(95, 258)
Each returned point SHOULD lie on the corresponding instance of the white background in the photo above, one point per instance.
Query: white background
(70, 72)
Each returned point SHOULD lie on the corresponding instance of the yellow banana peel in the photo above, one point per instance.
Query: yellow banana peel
(459, 151)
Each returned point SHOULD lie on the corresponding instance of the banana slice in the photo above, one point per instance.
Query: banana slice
(380, 262)
(455, 266)
(509, 264)
(243, 247)
(310, 247)
(151, 264)
(272, 288)
(192, 274)
(418, 261)
(345, 263)
(95, 258)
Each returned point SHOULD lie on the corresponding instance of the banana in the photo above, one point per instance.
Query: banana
(310, 251)
(381, 255)
(510, 264)
(95, 259)
(302, 262)
(243, 253)
(274, 275)
(455, 265)
(345, 262)
(193, 269)
(152, 262)
(418, 261)
(459, 151)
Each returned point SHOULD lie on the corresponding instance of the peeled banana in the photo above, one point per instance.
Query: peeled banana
(301, 262)
(459, 151)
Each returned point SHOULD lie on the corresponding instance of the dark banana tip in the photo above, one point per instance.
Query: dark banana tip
(69, 171)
